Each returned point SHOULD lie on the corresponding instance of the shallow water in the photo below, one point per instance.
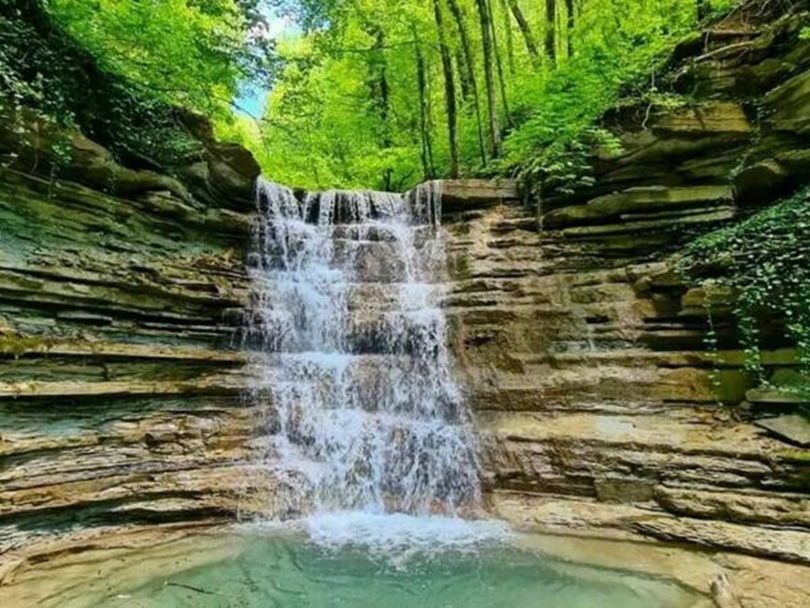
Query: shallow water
(468, 565)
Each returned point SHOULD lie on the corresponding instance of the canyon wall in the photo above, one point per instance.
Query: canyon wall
(120, 290)
(581, 352)
(584, 353)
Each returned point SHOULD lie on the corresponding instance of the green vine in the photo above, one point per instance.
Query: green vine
(711, 340)
(765, 262)
(565, 166)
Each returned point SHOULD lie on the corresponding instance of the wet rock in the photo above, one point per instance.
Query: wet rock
(752, 506)
(469, 194)
(119, 392)
(723, 594)
(793, 428)
(637, 203)
(232, 173)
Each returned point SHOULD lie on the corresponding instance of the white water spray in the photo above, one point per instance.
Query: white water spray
(361, 412)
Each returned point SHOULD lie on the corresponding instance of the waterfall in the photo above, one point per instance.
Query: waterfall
(359, 409)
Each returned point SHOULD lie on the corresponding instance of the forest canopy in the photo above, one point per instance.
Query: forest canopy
(365, 93)
(380, 95)
(193, 53)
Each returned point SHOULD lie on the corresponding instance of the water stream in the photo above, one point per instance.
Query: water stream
(351, 366)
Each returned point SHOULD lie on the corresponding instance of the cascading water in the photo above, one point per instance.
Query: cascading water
(361, 411)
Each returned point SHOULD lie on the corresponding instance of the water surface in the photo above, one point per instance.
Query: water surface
(345, 562)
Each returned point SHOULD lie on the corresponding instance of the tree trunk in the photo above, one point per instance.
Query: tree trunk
(526, 31)
(489, 77)
(702, 9)
(463, 77)
(429, 118)
(570, 10)
(379, 81)
(449, 89)
(469, 64)
(551, 31)
(510, 39)
(499, 66)
(424, 119)
(380, 91)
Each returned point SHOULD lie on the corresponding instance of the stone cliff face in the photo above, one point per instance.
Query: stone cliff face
(580, 350)
(583, 352)
(119, 389)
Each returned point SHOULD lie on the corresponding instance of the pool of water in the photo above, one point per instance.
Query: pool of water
(357, 564)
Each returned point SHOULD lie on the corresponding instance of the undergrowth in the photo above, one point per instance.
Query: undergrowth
(46, 77)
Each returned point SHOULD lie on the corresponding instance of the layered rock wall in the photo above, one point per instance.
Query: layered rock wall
(119, 289)
(581, 352)
(584, 353)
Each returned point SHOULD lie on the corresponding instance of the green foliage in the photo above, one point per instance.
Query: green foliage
(117, 70)
(345, 108)
(765, 261)
(44, 70)
(627, 47)
(190, 54)
(564, 165)
(328, 125)
(718, 8)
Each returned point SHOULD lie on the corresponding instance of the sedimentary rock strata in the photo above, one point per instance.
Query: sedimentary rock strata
(119, 382)
(583, 352)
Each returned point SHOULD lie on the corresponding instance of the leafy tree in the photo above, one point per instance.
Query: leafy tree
(452, 66)
(193, 53)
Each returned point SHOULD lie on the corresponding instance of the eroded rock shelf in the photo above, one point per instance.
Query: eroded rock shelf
(120, 385)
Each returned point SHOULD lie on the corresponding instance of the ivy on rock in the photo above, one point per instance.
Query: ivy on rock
(120, 72)
(765, 261)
